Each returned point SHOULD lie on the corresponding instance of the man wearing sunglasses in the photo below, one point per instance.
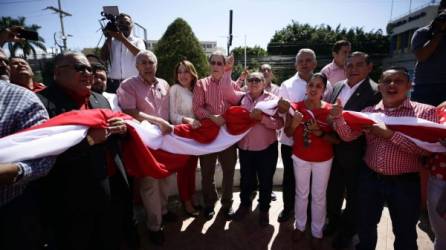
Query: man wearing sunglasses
(211, 100)
(93, 204)
(119, 51)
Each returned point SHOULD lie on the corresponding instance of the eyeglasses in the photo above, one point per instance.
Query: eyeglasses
(216, 63)
(79, 67)
(254, 80)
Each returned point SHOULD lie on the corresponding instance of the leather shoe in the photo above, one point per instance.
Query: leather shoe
(297, 235)
(157, 237)
(208, 213)
(329, 229)
(284, 216)
(228, 213)
(241, 213)
(263, 219)
(316, 244)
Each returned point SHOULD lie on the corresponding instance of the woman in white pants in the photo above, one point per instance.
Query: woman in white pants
(312, 157)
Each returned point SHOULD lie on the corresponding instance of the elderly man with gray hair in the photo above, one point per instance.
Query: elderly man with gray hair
(146, 97)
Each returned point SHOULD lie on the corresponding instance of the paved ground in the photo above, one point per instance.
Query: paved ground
(218, 234)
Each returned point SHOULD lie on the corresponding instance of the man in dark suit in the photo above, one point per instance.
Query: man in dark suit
(355, 93)
(85, 208)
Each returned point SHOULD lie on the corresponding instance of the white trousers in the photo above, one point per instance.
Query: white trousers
(320, 173)
(154, 194)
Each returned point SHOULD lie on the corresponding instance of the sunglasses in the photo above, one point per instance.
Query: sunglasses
(216, 63)
(79, 67)
(254, 80)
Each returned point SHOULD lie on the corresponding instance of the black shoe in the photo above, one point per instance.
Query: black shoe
(263, 219)
(241, 213)
(253, 195)
(284, 216)
(169, 217)
(208, 213)
(228, 212)
(157, 237)
(273, 196)
(341, 241)
(329, 229)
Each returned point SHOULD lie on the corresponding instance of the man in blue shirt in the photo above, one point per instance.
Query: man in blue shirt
(20, 225)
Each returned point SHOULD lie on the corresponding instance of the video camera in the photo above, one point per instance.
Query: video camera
(110, 13)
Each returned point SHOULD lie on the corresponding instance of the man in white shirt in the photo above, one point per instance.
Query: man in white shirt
(120, 50)
(355, 93)
(293, 90)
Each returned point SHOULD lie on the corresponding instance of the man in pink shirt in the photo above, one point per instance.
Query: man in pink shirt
(211, 99)
(335, 71)
(146, 98)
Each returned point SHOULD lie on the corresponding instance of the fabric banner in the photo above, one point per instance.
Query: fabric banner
(146, 152)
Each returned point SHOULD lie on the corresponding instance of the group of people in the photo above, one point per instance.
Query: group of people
(84, 198)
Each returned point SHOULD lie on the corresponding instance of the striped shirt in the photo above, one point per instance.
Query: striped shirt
(211, 97)
(20, 109)
(397, 155)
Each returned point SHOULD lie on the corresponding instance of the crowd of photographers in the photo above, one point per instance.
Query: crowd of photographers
(84, 199)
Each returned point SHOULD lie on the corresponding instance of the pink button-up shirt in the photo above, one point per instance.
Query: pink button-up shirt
(211, 97)
(263, 133)
(334, 73)
(397, 155)
(134, 93)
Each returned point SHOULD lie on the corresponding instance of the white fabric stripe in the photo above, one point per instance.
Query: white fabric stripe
(39, 143)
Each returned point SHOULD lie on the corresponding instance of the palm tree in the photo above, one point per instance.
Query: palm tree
(27, 47)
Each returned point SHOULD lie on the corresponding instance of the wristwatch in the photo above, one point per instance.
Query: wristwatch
(19, 174)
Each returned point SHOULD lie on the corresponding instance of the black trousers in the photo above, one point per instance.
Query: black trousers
(343, 180)
(113, 85)
(21, 223)
(288, 182)
(259, 165)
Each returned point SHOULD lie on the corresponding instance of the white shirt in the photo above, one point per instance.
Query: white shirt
(180, 104)
(113, 101)
(122, 61)
(347, 91)
(294, 90)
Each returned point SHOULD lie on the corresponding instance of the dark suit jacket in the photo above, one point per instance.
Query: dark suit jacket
(78, 182)
(350, 154)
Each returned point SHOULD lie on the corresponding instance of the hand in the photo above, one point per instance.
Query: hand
(256, 114)
(165, 127)
(380, 130)
(97, 135)
(192, 122)
(217, 119)
(336, 109)
(283, 106)
(11, 34)
(244, 74)
(297, 119)
(116, 126)
(229, 63)
(117, 35)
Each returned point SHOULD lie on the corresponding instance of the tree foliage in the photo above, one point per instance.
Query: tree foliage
(321, 38)
(252, 55)
(178, 43)
(27, 47)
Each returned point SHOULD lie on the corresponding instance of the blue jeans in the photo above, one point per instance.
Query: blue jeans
(401, 194)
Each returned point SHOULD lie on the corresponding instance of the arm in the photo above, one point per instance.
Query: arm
(343, 130)
(164, 126)
(120, 37)
(272, 122)
(424, 45)
(230, 90)
(199, 102)
(292, 122)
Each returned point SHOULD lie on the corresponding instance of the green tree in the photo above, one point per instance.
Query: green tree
(252, 55)
(178, 43)
(27, 47)
(320, 38)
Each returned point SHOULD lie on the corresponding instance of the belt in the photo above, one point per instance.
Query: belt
(400, 177)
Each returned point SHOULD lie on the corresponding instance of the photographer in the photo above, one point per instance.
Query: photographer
(120, 50)
(429, 47)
